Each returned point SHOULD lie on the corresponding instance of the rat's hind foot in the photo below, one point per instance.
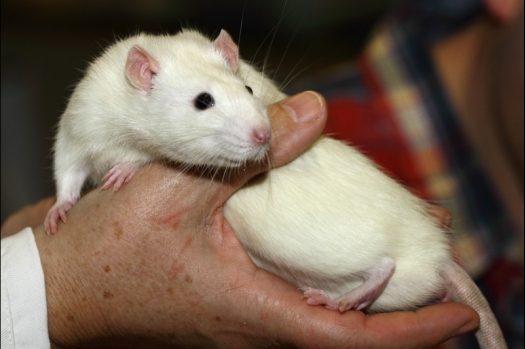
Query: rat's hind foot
(318, 297)
(120, 174)
(375, 281)
(56, 213)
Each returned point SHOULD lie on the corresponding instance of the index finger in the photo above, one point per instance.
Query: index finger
(307, 326)
(423, 328)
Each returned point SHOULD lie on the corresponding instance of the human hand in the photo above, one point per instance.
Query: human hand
(29, 216)
(157, 265)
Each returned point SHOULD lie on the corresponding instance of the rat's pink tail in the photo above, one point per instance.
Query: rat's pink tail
(465, 291)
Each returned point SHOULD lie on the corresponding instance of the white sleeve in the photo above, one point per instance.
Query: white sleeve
(24, 310)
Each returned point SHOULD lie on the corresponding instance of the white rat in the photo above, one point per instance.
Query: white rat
(148, 97)
(329, 222)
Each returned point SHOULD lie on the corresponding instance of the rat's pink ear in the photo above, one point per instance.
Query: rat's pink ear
(225, 45)
(141, 67)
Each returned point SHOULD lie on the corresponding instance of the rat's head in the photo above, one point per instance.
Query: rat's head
(196, 108)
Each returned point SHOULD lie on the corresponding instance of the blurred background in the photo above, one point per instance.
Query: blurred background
(46, 44)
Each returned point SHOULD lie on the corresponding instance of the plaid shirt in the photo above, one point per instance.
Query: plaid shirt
(391, 105)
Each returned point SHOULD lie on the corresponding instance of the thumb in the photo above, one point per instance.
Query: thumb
(296, 123)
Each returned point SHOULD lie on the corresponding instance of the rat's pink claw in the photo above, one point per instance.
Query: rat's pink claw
(56, 213)
(120, 174)
(318, 297)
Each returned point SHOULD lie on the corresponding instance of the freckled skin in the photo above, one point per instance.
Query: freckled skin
(118, 230)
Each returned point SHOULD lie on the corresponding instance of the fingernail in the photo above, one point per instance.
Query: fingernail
(468, 327)
(305, 107)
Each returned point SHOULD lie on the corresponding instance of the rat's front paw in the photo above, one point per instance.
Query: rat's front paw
(120, 174)
(56, 213)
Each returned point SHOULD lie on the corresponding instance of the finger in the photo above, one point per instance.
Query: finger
(424, 328)
(29, 216)
(296, 123)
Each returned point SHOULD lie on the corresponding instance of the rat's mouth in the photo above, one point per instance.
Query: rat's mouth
(261, 153)
(244, 157)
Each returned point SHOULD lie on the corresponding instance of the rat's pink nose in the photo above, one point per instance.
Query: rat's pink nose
(262, 135)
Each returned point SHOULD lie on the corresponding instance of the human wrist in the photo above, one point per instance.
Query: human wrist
(71, 315)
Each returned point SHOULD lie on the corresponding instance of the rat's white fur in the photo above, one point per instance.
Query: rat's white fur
(327, 220)
(330, 217)
(306, 221)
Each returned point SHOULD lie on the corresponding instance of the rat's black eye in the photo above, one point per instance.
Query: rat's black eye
(204, 101)
(249, 89)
